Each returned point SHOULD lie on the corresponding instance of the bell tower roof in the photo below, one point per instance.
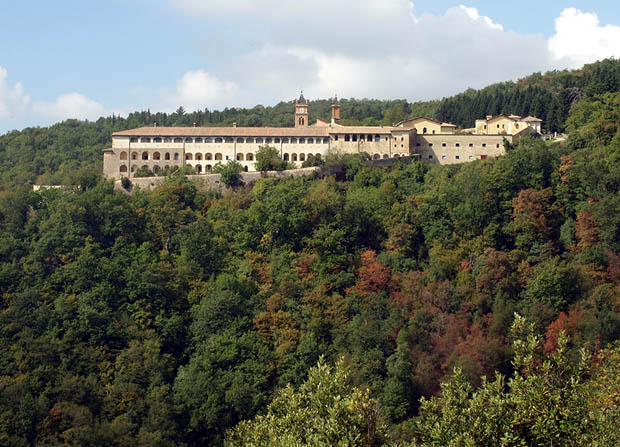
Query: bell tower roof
(301, 99)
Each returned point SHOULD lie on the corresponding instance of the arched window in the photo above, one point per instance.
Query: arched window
(325, 140)
(268, 140)
(230, 140)
(239, 157)
(294, 157)
(167, 140)
(198, 156)
(249, 140)
(218, 156)
(259, 140)
(145, 155)
(293, 140)
(424, 130)
(239, 140)
(208, 156)
(189, 140)
(310, 140)
(302, 157)
(156, 156)
(167, 156)
(188, 156)
(133, 169)
(285, 140)
(208, 140)
(134, 155)
(207, 168)
(386, 156)
(176, 155)
(145, 140)
(157, 140)
(276, 140)
(376, 157)
(123, 155)
(198, 140)
(156, 169)
(218, 140)
(199, 169)
(286, 158)
(396, 155)
(301, 121)
(123, 168)
(178, 140)
(133, 140)
(318, 155)
(249, 157)
(302, 140)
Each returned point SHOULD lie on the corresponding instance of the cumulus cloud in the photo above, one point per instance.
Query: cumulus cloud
(199, 89)
(13, 101)
(580, 39)
(71, 105)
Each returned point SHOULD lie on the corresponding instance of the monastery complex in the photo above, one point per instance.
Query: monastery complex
(203, 147)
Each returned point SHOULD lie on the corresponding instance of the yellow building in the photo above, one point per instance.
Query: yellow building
(203, 147)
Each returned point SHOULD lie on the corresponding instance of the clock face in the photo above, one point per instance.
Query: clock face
(300, 110)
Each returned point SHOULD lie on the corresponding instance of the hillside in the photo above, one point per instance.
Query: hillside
(56, 154)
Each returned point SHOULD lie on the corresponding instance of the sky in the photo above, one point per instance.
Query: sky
(89, 58)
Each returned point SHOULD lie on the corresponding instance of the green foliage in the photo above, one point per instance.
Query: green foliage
(229, 172)
(268, 159)
(325, 410)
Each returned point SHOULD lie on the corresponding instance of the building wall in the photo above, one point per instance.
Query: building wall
(451, 149)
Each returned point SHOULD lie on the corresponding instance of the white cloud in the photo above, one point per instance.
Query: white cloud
(579, 39)
(70, 105)
(13, 101)
(198, 89)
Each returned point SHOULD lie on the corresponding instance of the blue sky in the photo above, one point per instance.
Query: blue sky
(65, 58)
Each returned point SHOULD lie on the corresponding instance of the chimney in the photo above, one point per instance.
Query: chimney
(489, 117)
(194, 124)
(335, 111)
(235, 124)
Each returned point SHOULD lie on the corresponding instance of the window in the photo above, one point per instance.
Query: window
(178, 140)
(259, 140)
(471, 144)
(198, 140)
(239, 140)
(433, 131)
(157, 140)
(302, 140)
(424, 130)
(208, 156)
(167, 140)
(484, 145)
(354, 137)
(430, 157)
(268, 140)
(230, 140)
(167, 156)
(189, 140)
(133, 140)
(335, 137)
(458, 144)
(123, 168)
(417, 145)
(145, 155)
(497, 146)
(483, 157)
(218, 156)
(176, 155)
(443, 157)
(347, 137)
(325, 140)
(294, 157)
(286, 157)
(123, 155)
(310, 140)
(430, 145)
(249, 157)
(293, 140)
(276, 140)
(302, 157)
(285, 140)
(249, 140)
(218, 140)
(458, 157)
(198, 156)
(377, 138)
(443, 144)
(145, 140)
(188, 156)
(156, 156)
(471, 157)
(208, 140)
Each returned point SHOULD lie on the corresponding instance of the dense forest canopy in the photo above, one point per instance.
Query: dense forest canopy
(52, 155)
(169, 317)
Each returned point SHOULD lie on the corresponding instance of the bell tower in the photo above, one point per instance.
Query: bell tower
(335, 110)
(301, 111)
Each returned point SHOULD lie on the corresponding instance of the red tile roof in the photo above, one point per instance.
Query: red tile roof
(147, 131)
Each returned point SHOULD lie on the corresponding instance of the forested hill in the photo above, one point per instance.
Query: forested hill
(58, 153)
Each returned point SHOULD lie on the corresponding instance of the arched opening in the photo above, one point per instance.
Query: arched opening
(167, 140)
(134, 155)
(198, 140)
(133, 140)
(249, 140)
(301, 121)
(189, 157)
(230, 140)
(376, 157)
(245, 168)
(386, 156)
(294, 157)
(424, 130)
(310, 140)
(198, 169)
(189, 140)
(157, 140)
(218, 156)
(259, 141)
(178, 140)
(208, 140)
(145, 140)
(325, 140)
(293, 140)
(218, 140)
(286, 157)
(198, 156)
(156, 169)
(176, 155)
(239, 140)
(396, 155)
(207, 168)
(156, 156)
(302, 157)
(249, 157)
(145, 155)
(133, 169)
(208, 156)
(285, 140)
(123, 169)
(318, 155)
(167, 156)
(123, 155)
(239, 157)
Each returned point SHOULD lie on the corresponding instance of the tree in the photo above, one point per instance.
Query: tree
(268, 159)
(229, 172)
(325, 411)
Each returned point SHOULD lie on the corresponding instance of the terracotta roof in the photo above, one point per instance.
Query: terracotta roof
(532, 119)
(339, 129)
(448, 125)
(148, 131)
(301, 99)
(417, 118)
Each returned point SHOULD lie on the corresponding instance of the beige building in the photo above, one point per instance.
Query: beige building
(203, 147)
(508, 125)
